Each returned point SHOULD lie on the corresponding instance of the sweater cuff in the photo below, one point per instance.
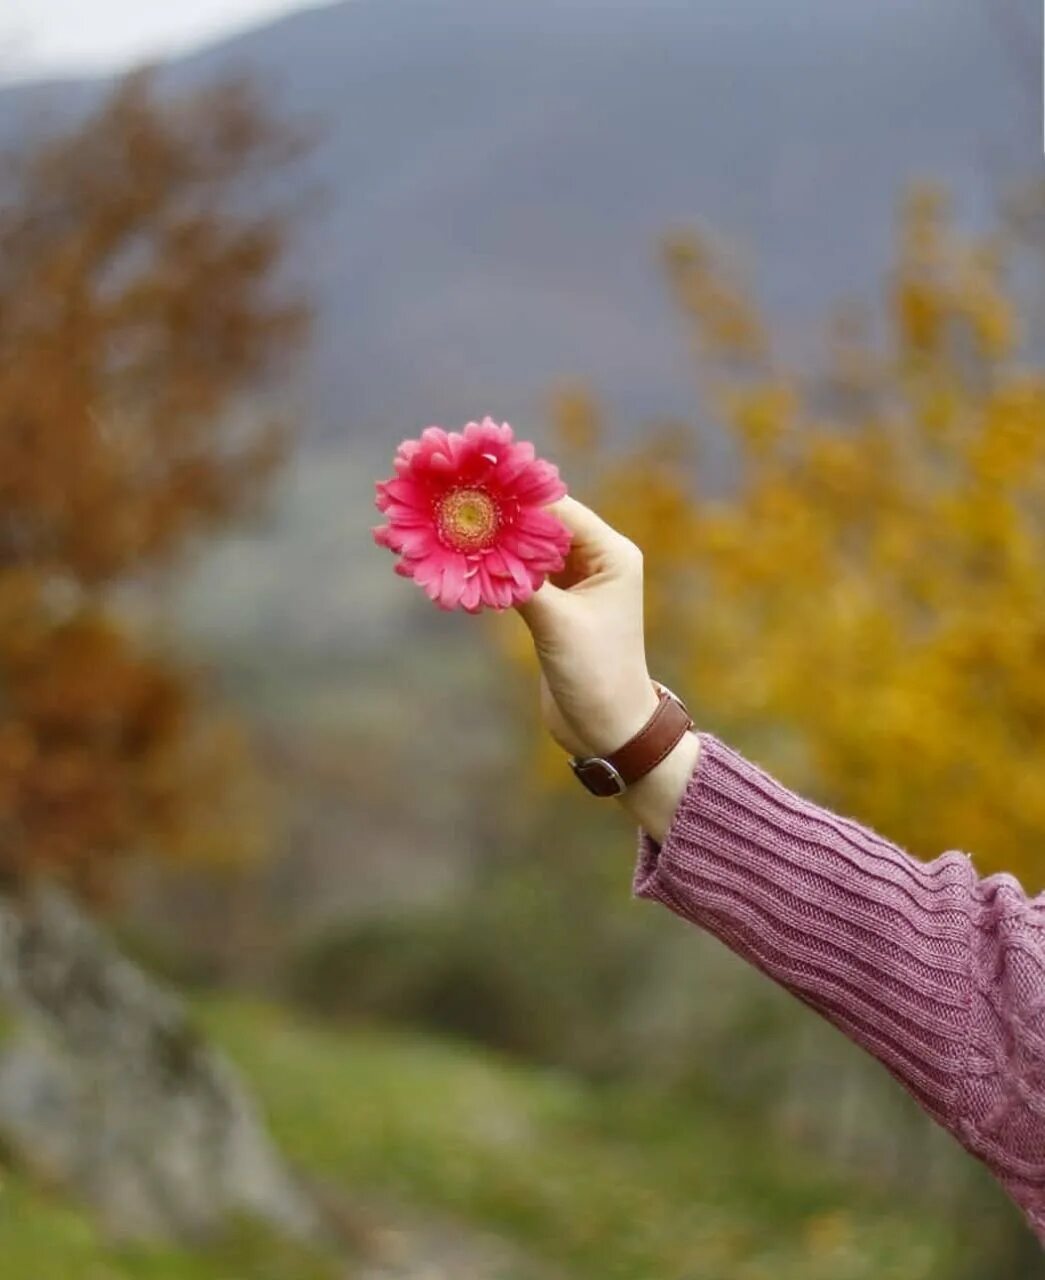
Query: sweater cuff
(646, 881)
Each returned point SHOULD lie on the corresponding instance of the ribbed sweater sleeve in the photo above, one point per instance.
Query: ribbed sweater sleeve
(937, 972)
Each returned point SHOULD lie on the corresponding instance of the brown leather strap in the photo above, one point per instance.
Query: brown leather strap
(641, 753)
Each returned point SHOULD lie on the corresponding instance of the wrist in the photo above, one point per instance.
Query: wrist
(626, 719)
(653, 800)
(655, 736)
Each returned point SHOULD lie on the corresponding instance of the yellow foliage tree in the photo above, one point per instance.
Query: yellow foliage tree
(857, 589)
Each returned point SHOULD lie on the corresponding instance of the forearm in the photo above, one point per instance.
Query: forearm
(844, 919)
(936, 972)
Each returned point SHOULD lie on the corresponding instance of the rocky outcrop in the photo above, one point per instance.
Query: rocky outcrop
(107, 1089)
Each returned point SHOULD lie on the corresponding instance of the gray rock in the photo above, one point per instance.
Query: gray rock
(107, 1089)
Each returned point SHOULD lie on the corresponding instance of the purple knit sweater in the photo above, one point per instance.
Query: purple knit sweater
(937, 972)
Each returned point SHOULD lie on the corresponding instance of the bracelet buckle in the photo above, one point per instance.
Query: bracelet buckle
(598, 775)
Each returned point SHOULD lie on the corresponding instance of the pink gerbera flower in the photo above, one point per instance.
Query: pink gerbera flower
(464, 514)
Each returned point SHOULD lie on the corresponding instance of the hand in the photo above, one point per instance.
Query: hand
(587, 628)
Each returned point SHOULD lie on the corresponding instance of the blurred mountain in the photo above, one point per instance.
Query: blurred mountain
(495, 176)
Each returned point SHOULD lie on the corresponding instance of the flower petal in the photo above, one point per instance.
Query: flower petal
(414, 542)
(497, 592)
(486, 584)
(405, 454)
(539, 483)
(453, 582)
(471, 594)
(435, 438)
(428, 572)
(526, 547)
(408, 517)
(542, 524)
(403, 490)
(495, 565)
(522, 592)
(514, 565)
(514, 463)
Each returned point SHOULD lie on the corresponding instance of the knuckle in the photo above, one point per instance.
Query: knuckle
(631, 552)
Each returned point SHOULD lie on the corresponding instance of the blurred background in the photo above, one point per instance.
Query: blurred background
(315, 961)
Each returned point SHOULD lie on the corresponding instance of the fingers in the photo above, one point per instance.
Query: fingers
(535, 609)
(596, 548)
(594, 540)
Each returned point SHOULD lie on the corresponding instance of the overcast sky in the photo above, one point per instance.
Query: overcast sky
(49, 37)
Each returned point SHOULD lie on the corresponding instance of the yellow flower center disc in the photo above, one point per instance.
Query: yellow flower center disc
(467, 519)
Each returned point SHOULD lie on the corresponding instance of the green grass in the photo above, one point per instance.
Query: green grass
(44, 1238)
(604, 1183)
(607, 1183)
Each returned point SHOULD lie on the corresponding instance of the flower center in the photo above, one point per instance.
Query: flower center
(467, 519)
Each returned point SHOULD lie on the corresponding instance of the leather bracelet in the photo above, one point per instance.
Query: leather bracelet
(612, 774)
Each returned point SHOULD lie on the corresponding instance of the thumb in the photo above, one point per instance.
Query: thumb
(536, 610)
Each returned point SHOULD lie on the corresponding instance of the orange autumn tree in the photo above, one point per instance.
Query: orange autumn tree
(852, 581)
(137, 313)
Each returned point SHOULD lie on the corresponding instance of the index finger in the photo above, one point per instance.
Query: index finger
(596, 543)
